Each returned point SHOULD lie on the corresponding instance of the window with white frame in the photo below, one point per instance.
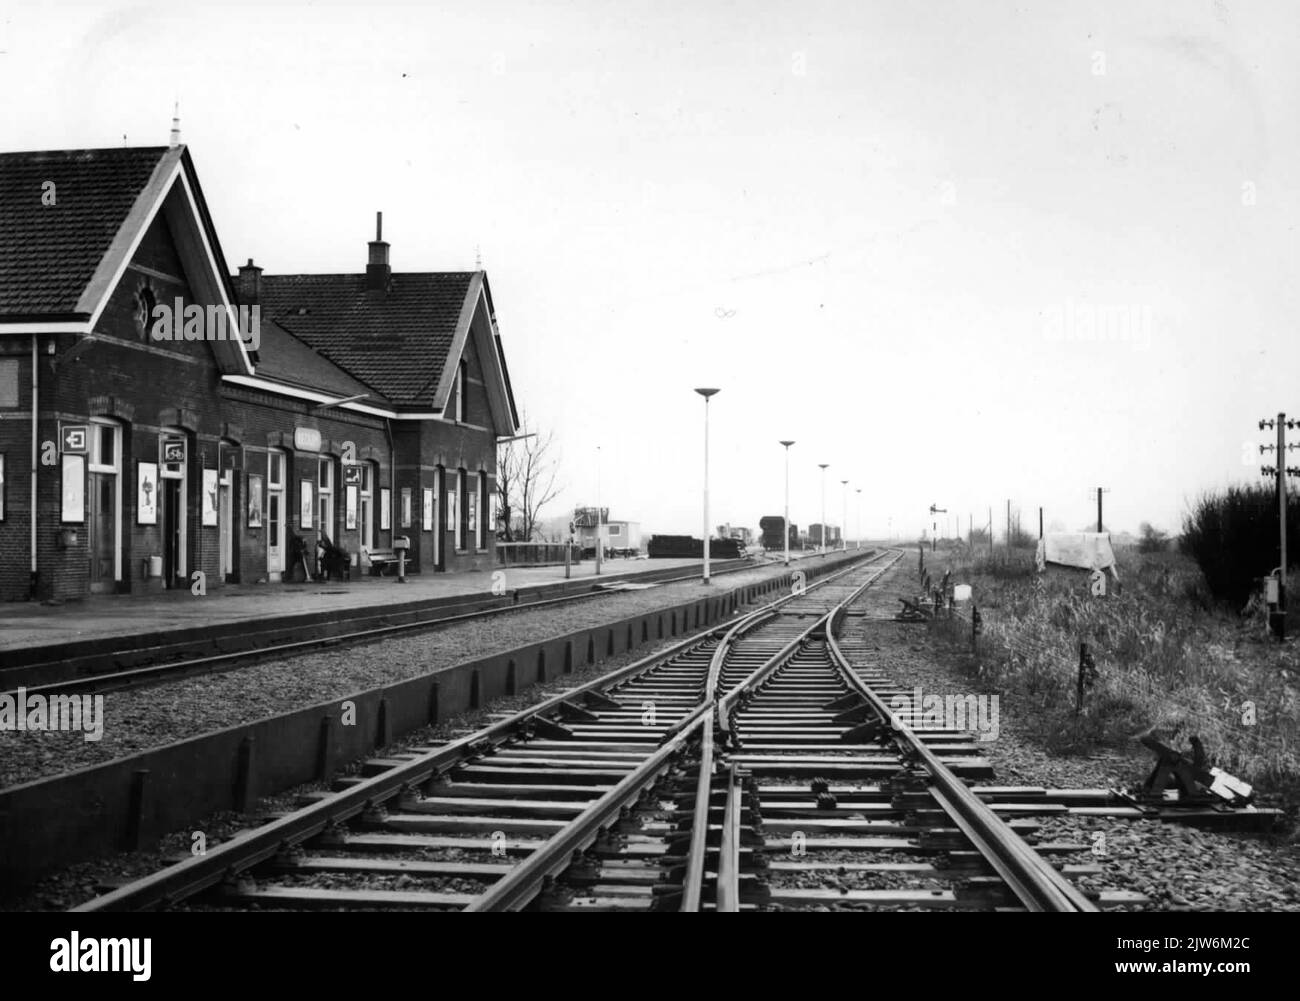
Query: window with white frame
(462, 523)
(484, 506)
(325, 496)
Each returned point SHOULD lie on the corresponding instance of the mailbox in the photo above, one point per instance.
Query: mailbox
(401, 542)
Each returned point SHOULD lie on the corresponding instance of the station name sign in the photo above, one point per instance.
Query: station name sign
(306, 439)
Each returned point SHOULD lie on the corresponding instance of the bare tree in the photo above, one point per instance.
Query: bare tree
(526, 471)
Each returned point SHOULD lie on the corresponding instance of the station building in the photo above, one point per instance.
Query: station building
(271, 408)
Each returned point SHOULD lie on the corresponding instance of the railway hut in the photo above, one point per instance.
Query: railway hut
(162, 417)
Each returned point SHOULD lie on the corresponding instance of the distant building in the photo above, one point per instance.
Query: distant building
(815, 534)
(618, 535)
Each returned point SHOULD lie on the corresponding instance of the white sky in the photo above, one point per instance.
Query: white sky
(879, 227)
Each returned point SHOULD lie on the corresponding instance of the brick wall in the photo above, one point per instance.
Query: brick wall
(146, 386)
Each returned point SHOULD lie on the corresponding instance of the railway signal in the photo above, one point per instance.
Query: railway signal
(934, 525)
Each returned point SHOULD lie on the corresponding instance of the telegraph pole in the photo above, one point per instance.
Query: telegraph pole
(1100, 523)
(1281, 471)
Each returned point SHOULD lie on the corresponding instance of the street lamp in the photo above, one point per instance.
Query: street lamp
(706, 393)
(785, 525)
(844, 516)
(599, 519)
(858, 533)
(822, 539)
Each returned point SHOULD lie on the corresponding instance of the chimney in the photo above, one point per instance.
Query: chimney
(250, 283)
(378, 273)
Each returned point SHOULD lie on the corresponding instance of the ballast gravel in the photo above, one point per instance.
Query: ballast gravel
(144, 718)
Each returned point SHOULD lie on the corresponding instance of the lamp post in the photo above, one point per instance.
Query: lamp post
(844, 516)
(706, 393)
(858, 533)
(822, 537)
(785, 524)
(598, 517)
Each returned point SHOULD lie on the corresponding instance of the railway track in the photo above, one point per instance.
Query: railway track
(168, 662)
(486, 819)
(734, 770)
(836, 796)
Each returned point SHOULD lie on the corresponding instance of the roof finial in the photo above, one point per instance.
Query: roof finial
(176, 125)
(478, 258)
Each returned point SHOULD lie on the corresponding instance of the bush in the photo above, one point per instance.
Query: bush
(1233, 538)
(1153, 540)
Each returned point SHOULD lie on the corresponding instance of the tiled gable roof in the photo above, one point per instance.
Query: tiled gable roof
(396, 341)
(288, 360)
(48, 253)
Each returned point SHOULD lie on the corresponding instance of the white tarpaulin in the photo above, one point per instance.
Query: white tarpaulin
(1085, 550)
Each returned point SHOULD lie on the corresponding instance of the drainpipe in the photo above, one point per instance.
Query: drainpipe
(35, 449)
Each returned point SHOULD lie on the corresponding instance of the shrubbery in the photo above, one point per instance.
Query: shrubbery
(1233, 537)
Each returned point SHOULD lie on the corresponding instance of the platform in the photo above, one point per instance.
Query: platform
(26, 625)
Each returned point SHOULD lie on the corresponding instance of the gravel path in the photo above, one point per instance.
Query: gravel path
(1177, 867)
(136, 720)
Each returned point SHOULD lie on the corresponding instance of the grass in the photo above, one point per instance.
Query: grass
(1167, 657)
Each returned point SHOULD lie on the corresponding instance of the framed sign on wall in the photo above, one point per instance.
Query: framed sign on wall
(254, 500)
(74, 489)
(146, 490)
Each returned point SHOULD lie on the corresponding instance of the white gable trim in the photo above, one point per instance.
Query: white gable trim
(122, 250)
(476, 321)
(270, 386)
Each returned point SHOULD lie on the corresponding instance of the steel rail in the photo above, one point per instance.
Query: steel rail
(518, 887)
(1034, 881)
(193, 875)
(777, 660)
(697, 850)
(728, 891)
(223, 861)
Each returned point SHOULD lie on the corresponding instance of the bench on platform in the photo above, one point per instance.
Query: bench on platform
(381, 560)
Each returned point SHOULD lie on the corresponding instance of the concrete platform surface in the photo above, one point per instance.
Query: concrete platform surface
(28, 624)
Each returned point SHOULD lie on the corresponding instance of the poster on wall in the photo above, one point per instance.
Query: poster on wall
(305, 504)
(350, 507)
(471, 511)
(428, 509)
(74, 488)
(2, 488)
(254, 500)
(146, 501)
(406, 507)
(385, 509)
(209, 498)
(451, 510)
